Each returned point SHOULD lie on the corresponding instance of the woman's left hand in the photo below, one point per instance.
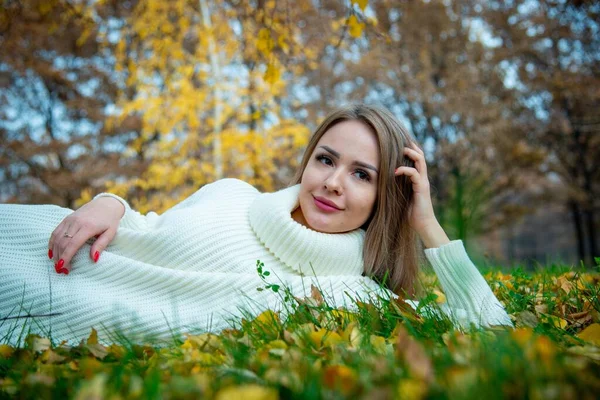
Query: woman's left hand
(422, 218)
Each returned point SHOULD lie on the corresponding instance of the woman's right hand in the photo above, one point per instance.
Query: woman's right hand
(99, 218)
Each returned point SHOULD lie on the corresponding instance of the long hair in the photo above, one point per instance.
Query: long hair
(391, 250)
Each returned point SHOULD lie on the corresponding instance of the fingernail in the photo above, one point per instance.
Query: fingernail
(56, 268)
(50, 254)
(96, 256)
(63, 271)
(61, 262)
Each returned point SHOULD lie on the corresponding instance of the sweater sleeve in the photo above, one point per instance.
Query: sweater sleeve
(469, 297)
(132, 219)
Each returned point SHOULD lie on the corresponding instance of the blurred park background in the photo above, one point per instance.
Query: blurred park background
(152, 99)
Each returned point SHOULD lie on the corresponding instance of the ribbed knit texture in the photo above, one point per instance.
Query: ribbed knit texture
(193, 268)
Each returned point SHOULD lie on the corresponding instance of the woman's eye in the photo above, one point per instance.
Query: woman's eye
(362, 175)
(324, 160)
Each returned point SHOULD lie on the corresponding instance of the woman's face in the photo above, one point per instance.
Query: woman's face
(339, 184)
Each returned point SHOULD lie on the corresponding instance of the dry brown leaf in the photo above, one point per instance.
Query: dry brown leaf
(50, 357)
(414, 355)
(340, 377)
(97, 351)
(39, 344)
(526, 319)
(315, 293)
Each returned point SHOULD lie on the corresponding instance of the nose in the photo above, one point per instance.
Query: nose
(334, 182)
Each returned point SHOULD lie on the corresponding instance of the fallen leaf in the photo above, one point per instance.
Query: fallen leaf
(247, 392)
(591, 334)
(39, 379)
(37, 343)
(97, 350)
(324, 337)
(50, 357)
(340, 377)
(93, 338)
(414, 355)
(6, 351)
(526, 319)
(315, 293)
(411, 389)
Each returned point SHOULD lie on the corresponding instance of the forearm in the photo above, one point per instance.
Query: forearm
(433, 235)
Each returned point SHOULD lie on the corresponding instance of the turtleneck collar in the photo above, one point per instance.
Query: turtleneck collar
(298, 246)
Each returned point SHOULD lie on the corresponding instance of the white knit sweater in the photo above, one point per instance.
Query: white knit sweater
(193, 269)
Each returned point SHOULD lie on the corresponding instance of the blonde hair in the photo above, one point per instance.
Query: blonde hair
(391, 250)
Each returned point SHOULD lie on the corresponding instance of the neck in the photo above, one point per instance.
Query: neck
(298, 216)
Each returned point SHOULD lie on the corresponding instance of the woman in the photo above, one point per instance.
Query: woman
(361, 197)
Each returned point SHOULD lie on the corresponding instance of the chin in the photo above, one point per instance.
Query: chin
(318, 226)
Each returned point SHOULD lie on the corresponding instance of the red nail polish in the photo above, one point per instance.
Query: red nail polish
(96, 256)
(50, 254)
(56, 268)
(63, 271)
(61, 262)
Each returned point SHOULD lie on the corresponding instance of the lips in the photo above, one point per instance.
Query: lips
(326, 203)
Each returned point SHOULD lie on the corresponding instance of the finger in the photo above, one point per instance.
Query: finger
(100, 244)
(414, 175)
(419, 160)
(70, 247)
(54, 236)
(59, 235)
(415, 146)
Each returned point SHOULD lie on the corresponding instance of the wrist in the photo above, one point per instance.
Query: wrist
(111, 203)
(433, 235)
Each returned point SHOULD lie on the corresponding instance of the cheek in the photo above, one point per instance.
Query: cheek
(366, 202)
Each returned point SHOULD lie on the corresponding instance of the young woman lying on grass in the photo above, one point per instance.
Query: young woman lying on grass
(359, 203)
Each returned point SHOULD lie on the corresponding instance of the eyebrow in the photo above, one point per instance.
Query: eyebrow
(359, 163)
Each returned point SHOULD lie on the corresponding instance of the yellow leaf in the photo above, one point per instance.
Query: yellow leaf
(361, 3)
(591, 334)
(281, 40)
(6, 351)
(93, 339)
(247, 392)
(378, 343)
(355, 27)
(267, 317)
(273, 74)
(556, 321)
(441, 297)
(340, 377)
(206, 342)
(411, 389)
(50, 357)
(323, 337)
(264, 43)
(522, 335)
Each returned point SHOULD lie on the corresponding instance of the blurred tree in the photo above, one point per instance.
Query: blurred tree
(56, 85)
(550, 56)
(208, 81)
(424, 61)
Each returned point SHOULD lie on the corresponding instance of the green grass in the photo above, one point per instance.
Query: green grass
(379, 351)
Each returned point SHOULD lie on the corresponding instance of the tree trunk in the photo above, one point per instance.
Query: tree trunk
(577, 224)
(460, 226)
(590, 222)
(216, 71)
